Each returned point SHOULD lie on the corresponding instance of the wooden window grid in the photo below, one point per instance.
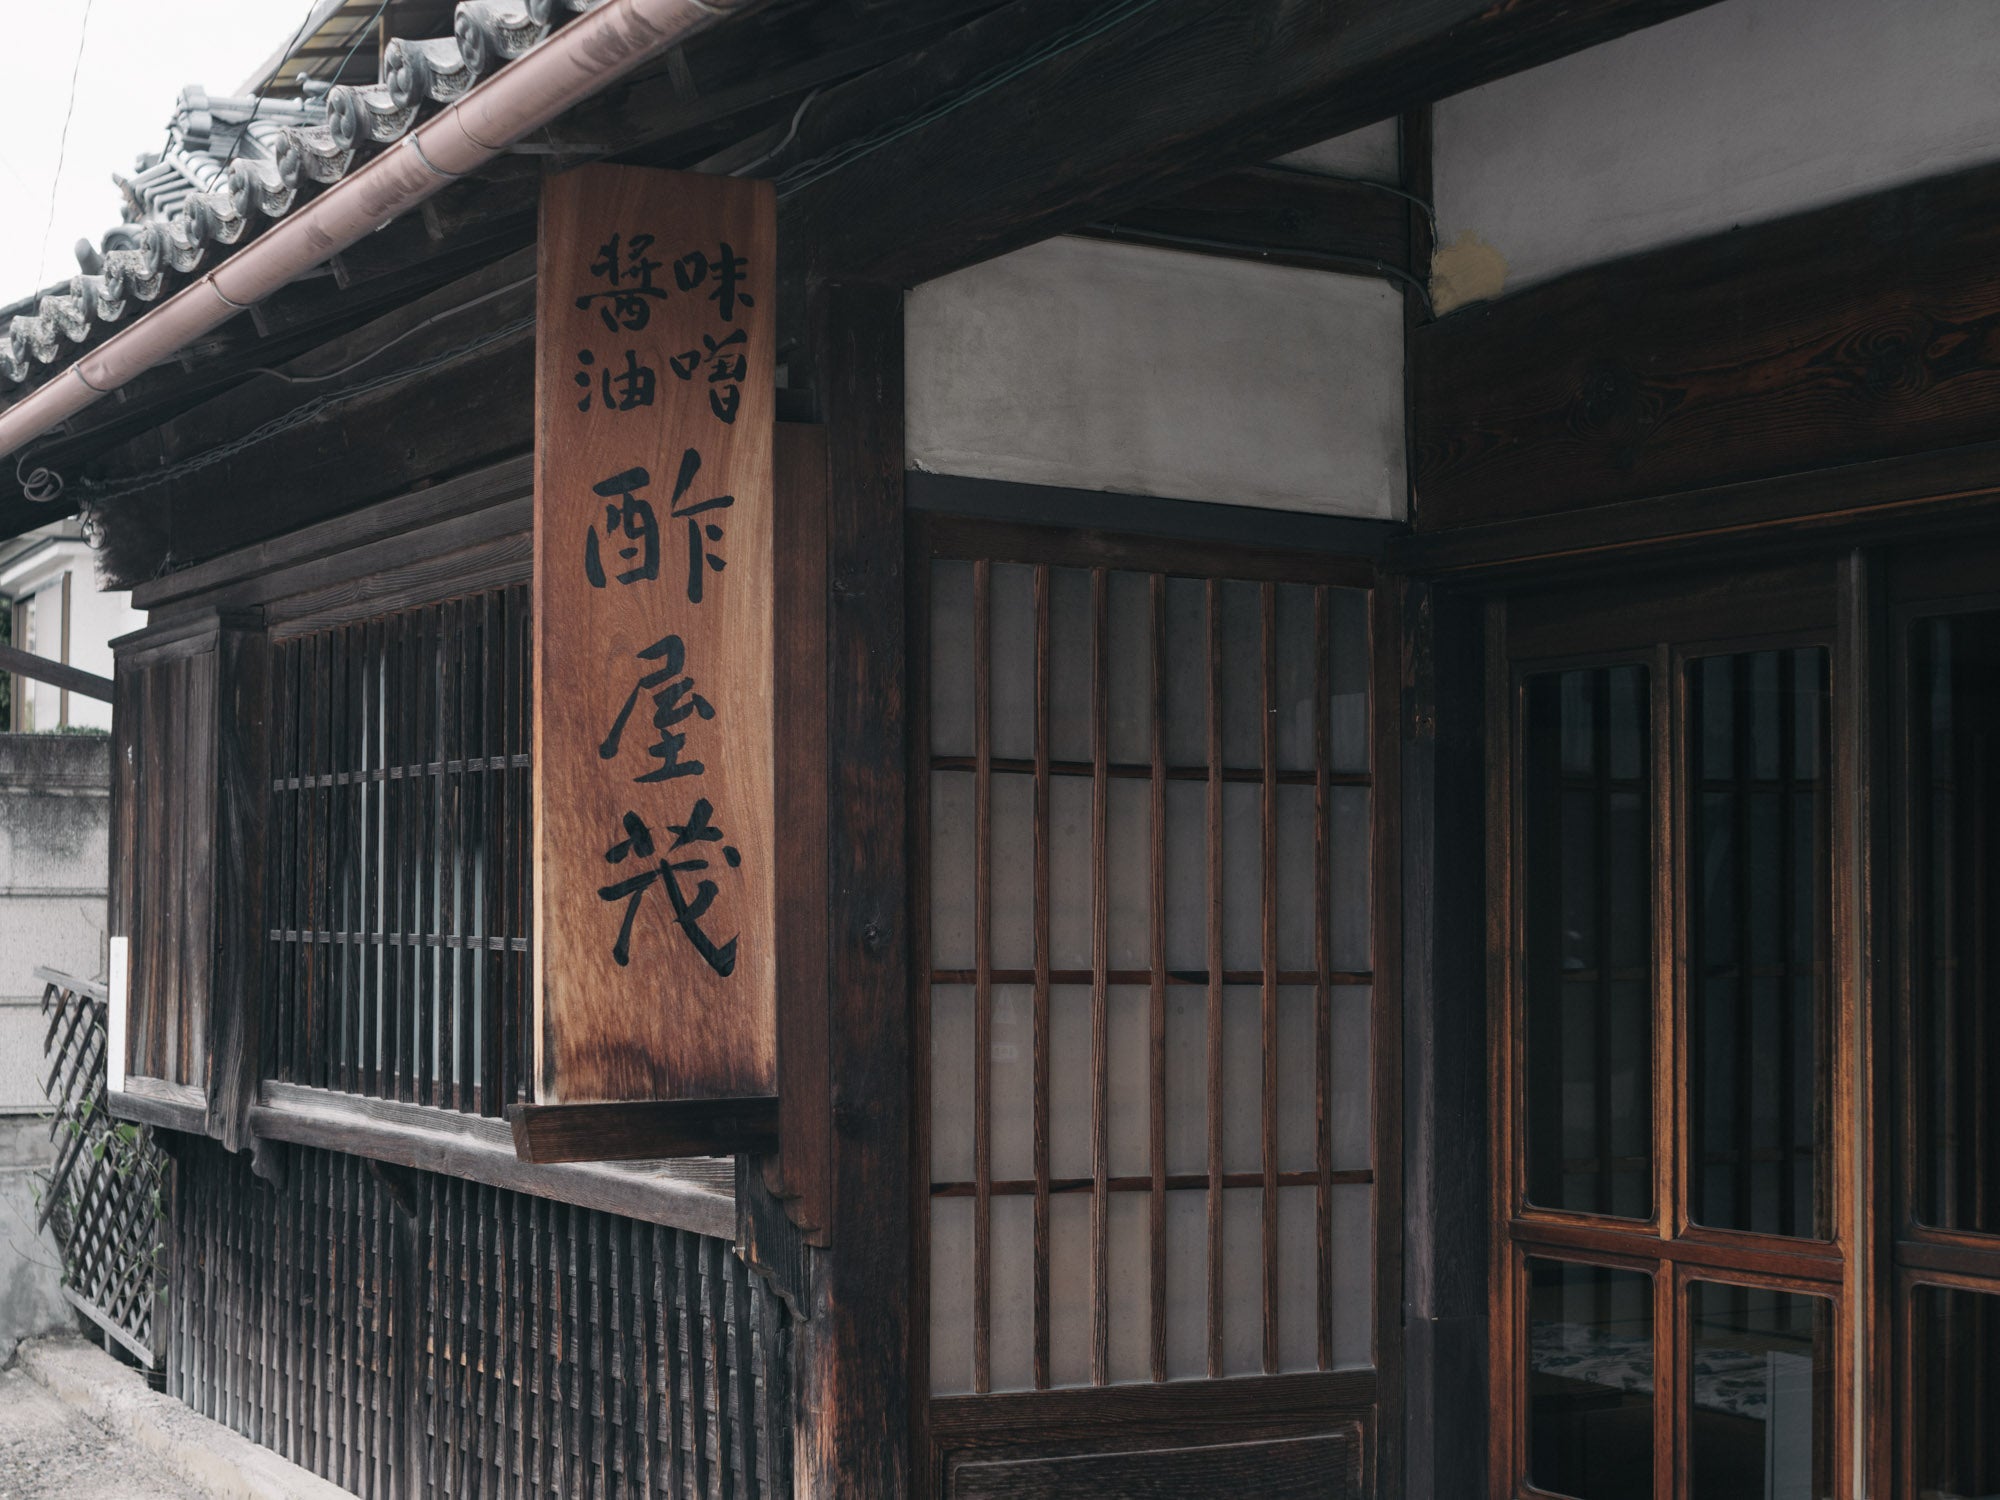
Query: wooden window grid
(399, 843)
(1799, 613)
(1941, 1363)
(1213, 774)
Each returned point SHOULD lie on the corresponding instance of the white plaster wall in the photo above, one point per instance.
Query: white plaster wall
(1374, 152)
(1741, 112)
(1105, 366)
(96, 619)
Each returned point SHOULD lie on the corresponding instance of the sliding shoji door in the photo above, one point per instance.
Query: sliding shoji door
(1148, 1005)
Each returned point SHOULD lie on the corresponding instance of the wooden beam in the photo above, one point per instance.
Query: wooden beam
(155, 1101)
(363, 448)
(693, 1195)
(653, 1130)
(1277, 215)
(1855, 335)
(55, 673)
(764, 63)
(1107, 113)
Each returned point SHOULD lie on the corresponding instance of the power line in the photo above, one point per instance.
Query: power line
(62, 142)
(292, 46)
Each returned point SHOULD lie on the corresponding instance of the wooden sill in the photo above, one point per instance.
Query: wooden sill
(154, 1101)
(697, 1194)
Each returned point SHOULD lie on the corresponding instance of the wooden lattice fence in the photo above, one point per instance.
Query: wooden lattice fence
(102, 1198)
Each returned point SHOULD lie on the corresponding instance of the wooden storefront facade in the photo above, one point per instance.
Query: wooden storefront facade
(1463, 976)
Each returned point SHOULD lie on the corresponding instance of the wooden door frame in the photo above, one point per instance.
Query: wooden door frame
(1188, 1412)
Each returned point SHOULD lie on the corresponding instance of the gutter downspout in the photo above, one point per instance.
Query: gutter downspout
(575, 62)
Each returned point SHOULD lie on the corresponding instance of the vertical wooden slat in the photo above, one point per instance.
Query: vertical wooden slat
(1600, 754)
(298, 850)
(1213, 592)
(430, 755)
(982, 958)
(468, 804)
(1788, 966)
(277, 864)
(340, 860)
(504, 1038)
(366, 788)
(1156, 1133)
(147, 749)
(1042, 1062)
(493, 1037)
(524, 835)
(323, 868)
(659, 1364)
(171, 1012)
(395, 874)
(514, 1353)
(1743, 707)
(1100, 966)
(451, 783)
(195, 817)
(1267, 694)
(350, 1261)
(674, 1334)
(1323, 854)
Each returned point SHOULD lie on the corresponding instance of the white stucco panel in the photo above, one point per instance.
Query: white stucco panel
(1106, 366)
(1739, 113)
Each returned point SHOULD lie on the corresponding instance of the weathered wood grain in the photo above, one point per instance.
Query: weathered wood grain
(654, 589)
(649, 1130)
(1844, 336)
(1130, 112)
(55, 673)
(693, 1195)
(854, 1386)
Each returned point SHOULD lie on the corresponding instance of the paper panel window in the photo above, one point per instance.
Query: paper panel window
(1149, 977)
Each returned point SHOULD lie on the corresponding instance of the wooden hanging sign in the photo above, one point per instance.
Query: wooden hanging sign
(655, 848)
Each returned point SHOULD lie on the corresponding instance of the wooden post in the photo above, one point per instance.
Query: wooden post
(854, 1401)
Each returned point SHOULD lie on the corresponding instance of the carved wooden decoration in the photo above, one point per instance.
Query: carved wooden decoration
(655, 855)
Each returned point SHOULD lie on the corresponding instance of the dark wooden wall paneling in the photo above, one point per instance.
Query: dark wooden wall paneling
(413, 1336)
(1844, 336)
(186, 758)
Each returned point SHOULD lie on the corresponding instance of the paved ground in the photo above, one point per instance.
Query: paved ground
(49, 1450)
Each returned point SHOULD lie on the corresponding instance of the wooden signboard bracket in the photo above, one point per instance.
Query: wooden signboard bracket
(644, 1131)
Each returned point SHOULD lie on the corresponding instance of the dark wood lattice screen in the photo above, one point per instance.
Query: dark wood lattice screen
(102, 1197)
(399, 844)
(413, 1336)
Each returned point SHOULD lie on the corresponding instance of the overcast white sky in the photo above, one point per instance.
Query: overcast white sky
(136, 56)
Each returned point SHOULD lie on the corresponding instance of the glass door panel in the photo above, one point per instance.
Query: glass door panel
(1955, 1393)
(1760, 1413)
(1756, 814)
(1587, 914)
(1954, 819)
(1590, 1380)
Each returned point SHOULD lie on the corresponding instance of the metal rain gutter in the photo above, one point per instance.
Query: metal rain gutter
(574, 63)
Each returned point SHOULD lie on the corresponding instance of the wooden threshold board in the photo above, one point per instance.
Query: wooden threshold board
(645, 1131)
(155, 1101)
